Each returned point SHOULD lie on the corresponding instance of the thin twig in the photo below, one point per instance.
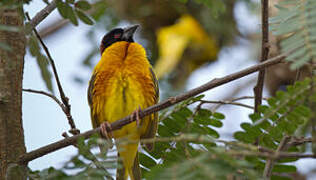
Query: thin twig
(265, 47)
(246, 97)
(226, 102)
(295, 141)
(48, 95)
(63, 97)
(40, 16)
(235, 92)
(233, 100)
(152, 109)
(270, 162)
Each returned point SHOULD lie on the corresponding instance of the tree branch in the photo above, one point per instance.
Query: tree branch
(265, 47)
(226, 102)
(64, 99)
(152, 109)
(270, 162)
(40, 16)
(48, 95)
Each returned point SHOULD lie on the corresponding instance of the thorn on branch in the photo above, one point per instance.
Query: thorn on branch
(172, 100)
(65, 135)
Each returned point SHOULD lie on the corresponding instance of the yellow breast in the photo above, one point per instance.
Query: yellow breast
(122, 84)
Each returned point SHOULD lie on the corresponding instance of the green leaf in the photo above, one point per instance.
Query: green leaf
(62, 8)
(282, 168)
(84, 18)
(268, 141)
(159, 150)
(164, 131)
(255, 117)
(218, 115)
(242, 136)
(41, 61)
(216, 123)
(146, 161)
(172, 125)
(185, 112)
(71, 15)
(84, 5)
(211, 132)
(70, 1)
(251, 130)
(203, 117)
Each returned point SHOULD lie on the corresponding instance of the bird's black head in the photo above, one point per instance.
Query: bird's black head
(117, 35)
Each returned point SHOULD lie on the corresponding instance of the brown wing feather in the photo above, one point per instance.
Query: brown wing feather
(90, 101)
(153, 121)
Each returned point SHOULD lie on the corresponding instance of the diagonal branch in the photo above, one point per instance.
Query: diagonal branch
(63, 97)
(265, 47)
(270, 162)
(40, 16)
(152, 109)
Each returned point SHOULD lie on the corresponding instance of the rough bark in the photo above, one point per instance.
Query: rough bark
(11, 73)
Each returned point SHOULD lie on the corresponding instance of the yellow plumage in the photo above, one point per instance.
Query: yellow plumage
(122, 82)
(175, 39)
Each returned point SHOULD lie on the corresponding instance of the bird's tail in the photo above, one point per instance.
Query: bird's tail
(129, 171)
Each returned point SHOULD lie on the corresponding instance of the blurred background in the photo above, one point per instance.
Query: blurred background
(188, 43)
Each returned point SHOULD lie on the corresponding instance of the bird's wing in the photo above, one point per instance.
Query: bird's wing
(153, 121)
(95, 122)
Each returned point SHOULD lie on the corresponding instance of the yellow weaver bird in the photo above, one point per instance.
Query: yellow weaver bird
(184, 47)
(122, 83)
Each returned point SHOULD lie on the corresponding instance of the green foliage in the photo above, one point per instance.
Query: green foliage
(193, 154)
(42, 62)
(73, 10)
(213, 164)
(295, 22)
(84, 164)
(283, 116)
(187, 145)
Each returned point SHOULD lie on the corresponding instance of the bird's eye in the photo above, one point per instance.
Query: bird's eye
(118, 35)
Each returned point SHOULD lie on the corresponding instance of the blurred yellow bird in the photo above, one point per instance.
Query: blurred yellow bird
(175, 39)
(123, 82)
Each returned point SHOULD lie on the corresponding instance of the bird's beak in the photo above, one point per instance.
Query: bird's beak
(129, 32)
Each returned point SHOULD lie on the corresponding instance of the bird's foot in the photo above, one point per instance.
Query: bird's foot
(104, 131)
(136, 114)
(106, 134)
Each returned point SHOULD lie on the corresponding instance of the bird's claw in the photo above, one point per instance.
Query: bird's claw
(136, 114)
(104, 131)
